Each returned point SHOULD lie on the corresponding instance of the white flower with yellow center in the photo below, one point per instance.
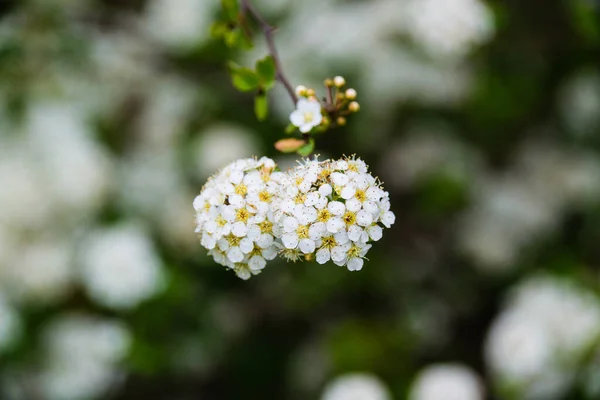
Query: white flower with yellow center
(307, 115)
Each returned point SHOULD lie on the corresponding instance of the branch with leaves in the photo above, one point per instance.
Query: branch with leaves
(312, 115)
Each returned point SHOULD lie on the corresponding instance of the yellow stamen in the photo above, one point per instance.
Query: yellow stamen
(323, 215)
(308, 116)
(233, 240)
(241, 189)
(349, 218)
(328, 242)
(221, 221)
(302, 232)
(264, 196)
(361, 195)
(266, 227)
(242, 215)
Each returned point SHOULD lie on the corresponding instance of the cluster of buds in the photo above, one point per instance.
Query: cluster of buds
(327, 112)
(322, 210)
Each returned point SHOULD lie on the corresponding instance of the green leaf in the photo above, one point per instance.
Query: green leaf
(307, 149)
(243, 78)
(261, 106)
(233, 37)
(219, 29)
(266, 71)
(231, 9)
(291, 128)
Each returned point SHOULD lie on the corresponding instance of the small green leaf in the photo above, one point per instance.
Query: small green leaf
(261, 106)
(266, 71)
(231, 9)
(218, 29)
(243, 78)
(307, 149)
(233, 37)
(291, 128)
(289, 145)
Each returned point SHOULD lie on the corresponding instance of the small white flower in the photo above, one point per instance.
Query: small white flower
(120, 267)
(446, 382)
(356, 386)
(307, 115)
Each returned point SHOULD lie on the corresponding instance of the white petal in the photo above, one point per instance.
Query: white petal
(338, 254)
(323, 256)
(257, 263)
(297, 118)
(325, 190)
(388, 219)
(355, 264)
(306, 246)
(375, 232)
(243, 273)
(341, 238)
(336, 208)
(290, 224)
(208, 241)
(354, 233)
(239, 229)
(339, 179)
(235, 255)
(264, 241)
(246, 245)
(374, 193)
(348, 192)
(317, 230)
(334, 225)
(364, 218)
(305, 128)
(269, 253)
(353, 205)
(289, 240)
(228, 213)
(371, 206)
(287, 206)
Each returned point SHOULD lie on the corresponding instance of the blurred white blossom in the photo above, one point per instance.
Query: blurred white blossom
(40, 272)
(579, 102)
(356, 386)
(82, 356)
(219, 144)
(536, 343)
(446, 382)
(449, 28)
(179, 24)
(10, 323)
(120, 267)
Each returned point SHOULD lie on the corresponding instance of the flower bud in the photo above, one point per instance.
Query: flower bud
(354, 106)
(328, 82)
(301, 90)
(351, 94)
(341, 121)
(311, 92)
(339, 81)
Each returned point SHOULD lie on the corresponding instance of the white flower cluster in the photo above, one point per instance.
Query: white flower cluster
(234, 217)
(323, 210)
(332, 209)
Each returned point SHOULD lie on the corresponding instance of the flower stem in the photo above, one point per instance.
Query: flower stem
(268, 33)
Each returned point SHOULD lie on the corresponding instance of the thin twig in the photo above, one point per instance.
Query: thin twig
(268, 32)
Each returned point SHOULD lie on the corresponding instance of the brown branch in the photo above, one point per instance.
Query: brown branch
(268, 33)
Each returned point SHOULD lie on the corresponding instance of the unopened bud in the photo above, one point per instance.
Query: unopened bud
(351, 94)
(340, 96)
(328, 82)
(354, 106)
(312, 98)
(301, 90)
(310, 92)
(341, 121)
(339, 81)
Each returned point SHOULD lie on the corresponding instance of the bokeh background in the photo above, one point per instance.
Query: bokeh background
(482, 119)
